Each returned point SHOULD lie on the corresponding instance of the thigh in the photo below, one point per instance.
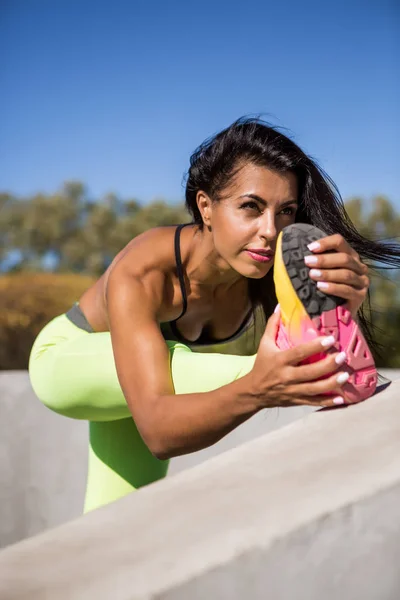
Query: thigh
(73, 372)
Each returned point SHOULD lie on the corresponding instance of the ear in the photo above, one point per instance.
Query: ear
(204, 204)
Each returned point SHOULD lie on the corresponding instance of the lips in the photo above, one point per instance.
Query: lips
(260, 255)
(261, 251)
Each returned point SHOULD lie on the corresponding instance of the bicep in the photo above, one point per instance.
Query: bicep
(140, 352)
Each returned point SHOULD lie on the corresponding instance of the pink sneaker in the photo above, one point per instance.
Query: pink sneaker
(307, 313)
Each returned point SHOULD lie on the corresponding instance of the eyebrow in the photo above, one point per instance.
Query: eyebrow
(264, 202)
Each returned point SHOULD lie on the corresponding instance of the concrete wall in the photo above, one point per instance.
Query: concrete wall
(309, 511)
(43, 462)
(43, 458)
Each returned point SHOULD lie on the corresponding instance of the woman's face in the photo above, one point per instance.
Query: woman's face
(246, 221)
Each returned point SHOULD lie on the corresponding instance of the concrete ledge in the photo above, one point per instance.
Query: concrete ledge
(43, 462)
(310, 511)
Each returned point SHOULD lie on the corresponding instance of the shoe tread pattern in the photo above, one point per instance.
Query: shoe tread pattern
(295, 239)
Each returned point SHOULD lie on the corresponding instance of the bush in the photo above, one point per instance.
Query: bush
(27, 302)
(30, 300)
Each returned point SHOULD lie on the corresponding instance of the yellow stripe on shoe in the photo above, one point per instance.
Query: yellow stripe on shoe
(291, 307)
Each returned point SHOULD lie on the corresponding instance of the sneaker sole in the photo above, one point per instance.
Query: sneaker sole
(307, 313)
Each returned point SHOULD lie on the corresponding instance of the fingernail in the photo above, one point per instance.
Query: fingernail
(340, 358)
(328, 341)
(311, 260)
(315, 273)
(338, 400)
(277, 308)
(322, 285)
(314, 246)
(342, 378)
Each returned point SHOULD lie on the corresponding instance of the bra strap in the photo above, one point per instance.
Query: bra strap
(179, 267)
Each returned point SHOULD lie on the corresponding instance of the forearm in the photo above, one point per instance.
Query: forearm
(184, 423)
(212, 398)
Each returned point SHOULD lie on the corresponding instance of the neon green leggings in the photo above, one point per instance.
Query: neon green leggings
(73, 373)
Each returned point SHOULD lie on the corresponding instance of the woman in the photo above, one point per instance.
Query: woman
(206, 286)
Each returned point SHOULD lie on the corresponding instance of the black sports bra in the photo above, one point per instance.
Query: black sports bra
(244, 341)
(179, 268)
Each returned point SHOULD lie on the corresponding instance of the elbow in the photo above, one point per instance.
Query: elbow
(157, 442)
(151, 427)
(158, 448)
(162, 454)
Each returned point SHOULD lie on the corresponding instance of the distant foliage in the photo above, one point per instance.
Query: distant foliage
(74, 233)
(382, 222)
(27, 302)
(68, 232)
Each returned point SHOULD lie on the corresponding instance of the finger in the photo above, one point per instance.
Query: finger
(299, 353)
(342, 291)
(329, 385)
(332, 242)
(364, 267)
(272, 327)
(342, 276)
(326, 366)
(320, 401)
(335, 261)
(273, 322)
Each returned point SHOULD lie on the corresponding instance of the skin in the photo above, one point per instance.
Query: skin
(342, 273)
(140, 289)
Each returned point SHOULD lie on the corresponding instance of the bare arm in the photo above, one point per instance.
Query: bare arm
(178, 424)
(173, 424)
(169, 424)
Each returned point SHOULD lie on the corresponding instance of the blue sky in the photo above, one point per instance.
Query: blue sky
(118, 94)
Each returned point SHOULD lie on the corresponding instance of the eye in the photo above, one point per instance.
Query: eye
(251, 205)
(289, 210)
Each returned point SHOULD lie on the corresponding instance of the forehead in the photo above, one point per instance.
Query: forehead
(266, 183)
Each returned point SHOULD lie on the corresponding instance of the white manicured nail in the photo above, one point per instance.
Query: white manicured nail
(342, 378)
(315, 273)
(314, 246)
(338, 400)
(328, 341)
(277, 308)
(341, 358)
(310, 260)
(322, 285)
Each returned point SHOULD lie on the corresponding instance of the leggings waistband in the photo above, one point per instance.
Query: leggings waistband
(76, 316)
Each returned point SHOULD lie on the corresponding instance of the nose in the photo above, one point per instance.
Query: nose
(268, 229)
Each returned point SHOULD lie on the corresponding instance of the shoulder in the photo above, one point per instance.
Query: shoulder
(153, 250)
(148, 261)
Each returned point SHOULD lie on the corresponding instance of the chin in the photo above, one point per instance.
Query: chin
(254, 272)
(259, 275)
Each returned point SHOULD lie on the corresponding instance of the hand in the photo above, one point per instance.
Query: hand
(339, 273)
(278, 380)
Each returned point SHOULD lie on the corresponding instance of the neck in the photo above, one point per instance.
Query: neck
(205, 267)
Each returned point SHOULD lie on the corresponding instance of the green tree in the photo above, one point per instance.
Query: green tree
(79, 234)
(382, 222)
(83, 235)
